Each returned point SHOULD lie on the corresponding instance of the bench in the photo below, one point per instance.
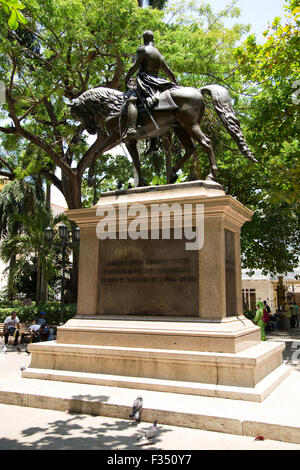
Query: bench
(24, 331)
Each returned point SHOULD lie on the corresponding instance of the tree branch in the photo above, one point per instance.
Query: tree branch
(8, 174)
(99, 146)
(55, 124)
(74, 140)
(8, 130)
(53, 178)
(8, 166)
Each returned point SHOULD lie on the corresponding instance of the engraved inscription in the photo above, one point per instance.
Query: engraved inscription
(157, 270)
(148, 277)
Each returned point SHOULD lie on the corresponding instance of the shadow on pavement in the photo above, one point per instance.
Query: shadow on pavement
(291, 338)
(58, 436)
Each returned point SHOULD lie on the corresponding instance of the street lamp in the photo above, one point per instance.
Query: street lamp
(63, 233)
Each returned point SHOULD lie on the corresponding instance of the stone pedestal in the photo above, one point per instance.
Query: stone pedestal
(153, 313)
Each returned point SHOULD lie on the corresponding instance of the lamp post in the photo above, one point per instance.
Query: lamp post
(63, 233)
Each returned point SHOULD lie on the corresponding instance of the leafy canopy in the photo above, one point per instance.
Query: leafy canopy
(12, 8)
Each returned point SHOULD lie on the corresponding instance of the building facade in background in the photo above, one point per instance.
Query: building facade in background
(274, 289)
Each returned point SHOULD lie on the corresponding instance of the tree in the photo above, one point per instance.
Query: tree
(68, 47)
(160, 4)
(12, 8)
(274, 121)
(48, 67)
(17, 198)
(271, 241)
(31, 251)
(41, 75)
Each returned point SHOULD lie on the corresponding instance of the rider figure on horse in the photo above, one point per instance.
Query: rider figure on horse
(148, 62)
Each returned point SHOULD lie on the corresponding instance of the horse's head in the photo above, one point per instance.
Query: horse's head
(93, 106)
(80, 113)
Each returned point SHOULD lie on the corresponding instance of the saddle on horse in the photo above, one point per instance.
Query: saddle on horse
(149, 94)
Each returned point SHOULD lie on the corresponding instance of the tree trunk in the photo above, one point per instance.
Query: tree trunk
(43, 288)
(48, 195)
(11, 292)
(38, 283)
(72, 194)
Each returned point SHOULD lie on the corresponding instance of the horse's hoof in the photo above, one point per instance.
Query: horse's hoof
(210, 177)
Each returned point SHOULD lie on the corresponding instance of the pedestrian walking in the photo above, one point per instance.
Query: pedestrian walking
(259, 320)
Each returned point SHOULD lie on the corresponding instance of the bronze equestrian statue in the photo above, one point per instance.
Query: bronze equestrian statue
(148, 62)
(152, 108)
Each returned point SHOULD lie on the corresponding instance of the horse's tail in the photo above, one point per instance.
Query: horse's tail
(222, 104)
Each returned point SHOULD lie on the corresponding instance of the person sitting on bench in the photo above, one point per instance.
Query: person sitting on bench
(12, 327)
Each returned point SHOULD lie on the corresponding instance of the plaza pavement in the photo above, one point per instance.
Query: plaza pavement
(58, 415)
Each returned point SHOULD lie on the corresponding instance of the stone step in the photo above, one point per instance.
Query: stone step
(257, 393)
(244, 369)
(276, 418)
(230, 335)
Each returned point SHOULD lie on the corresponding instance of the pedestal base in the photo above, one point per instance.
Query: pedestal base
(192, 337)
(225, 335)
(172, 356)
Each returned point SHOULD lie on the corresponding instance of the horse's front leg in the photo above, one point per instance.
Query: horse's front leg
(134, 153)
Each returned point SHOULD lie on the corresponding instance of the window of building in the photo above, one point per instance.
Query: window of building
(249, 299)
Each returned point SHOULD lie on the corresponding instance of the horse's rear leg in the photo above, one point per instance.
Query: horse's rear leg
(134, 153)
(189, 147)
(200, 137)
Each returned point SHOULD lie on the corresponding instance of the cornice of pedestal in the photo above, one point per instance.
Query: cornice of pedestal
(211, 195)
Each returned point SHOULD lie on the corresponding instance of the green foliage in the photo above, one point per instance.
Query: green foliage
(274, 117)
(30, 249)
(271, 241)
(279, 56)
(12, 8)
(250, 314)
(17, 197)
(23, 220)
(67, 47)
(109, 171)
(52, 310)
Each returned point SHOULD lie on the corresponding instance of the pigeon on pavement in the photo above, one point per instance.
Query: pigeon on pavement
(136, 409)
(150, 434)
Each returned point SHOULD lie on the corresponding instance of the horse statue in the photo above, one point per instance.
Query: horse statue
(180, 109)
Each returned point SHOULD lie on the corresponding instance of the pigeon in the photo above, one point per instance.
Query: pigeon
(22, 367)
(149, 435)
(136, 409)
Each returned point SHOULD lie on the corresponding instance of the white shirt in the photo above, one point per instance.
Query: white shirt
(34, 327)
(11, 321)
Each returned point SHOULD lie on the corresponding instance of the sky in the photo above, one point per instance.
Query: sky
(257, 13)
